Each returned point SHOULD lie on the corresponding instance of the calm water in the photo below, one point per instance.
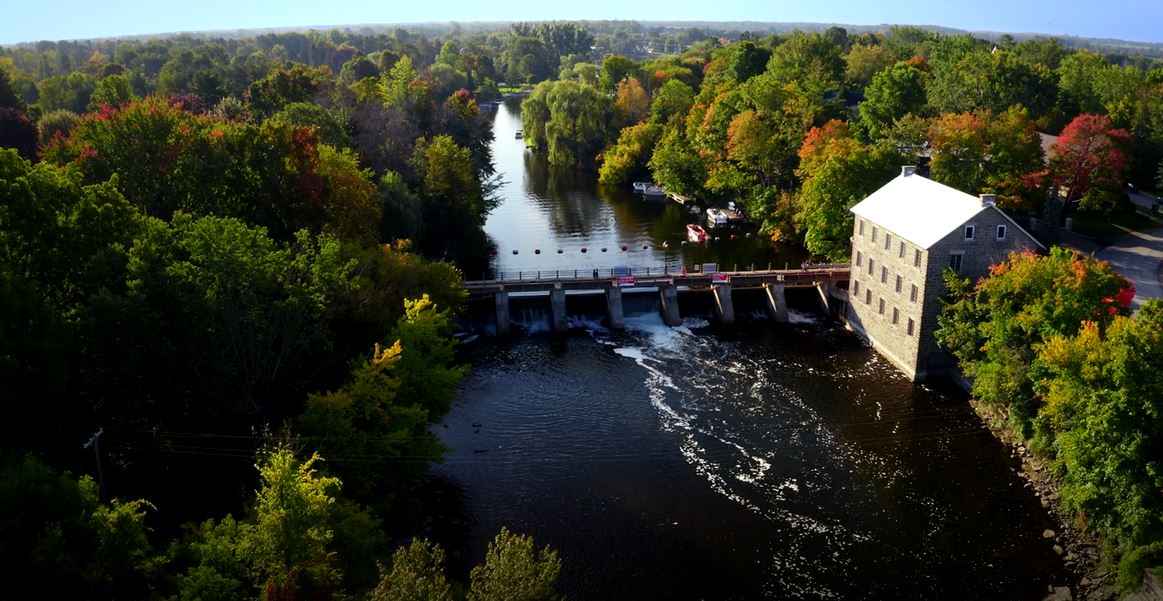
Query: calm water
(551, 209)
(770, 461)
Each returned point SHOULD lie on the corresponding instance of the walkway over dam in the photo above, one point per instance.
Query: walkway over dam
(829, 280)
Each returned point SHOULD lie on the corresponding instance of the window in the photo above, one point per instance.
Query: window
(882, 306)
(969, 230)
(911, 326)
(896, 315)
(883, 275)
(901, 254)
(1001, 232)
(917, 257)
(861, 226)
(855, 286)
(871, 263)
(874, 230)
(859, 259)
(887, 241)
(913, 294)
(867, 296)
(899, 281)
(955, 261)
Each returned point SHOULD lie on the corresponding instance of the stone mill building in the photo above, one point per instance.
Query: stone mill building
(904, 236)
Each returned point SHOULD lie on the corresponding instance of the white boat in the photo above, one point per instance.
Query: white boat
(641, 187)
(520, 134)
(654, 192)
(695, 233)
(716, 217)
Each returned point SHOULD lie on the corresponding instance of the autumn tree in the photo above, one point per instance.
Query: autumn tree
(863, 62)
(837, 172)
(987, 152)
(995, 328)
(631, 102)
(1088, 161)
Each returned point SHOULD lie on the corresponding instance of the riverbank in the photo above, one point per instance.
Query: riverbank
(1080, 551)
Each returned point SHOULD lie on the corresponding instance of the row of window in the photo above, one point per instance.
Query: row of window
(913, 293)
(896, 313)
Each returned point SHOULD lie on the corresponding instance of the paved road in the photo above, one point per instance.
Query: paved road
(1139, 257)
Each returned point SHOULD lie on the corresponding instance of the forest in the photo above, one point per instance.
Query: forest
(239, 259)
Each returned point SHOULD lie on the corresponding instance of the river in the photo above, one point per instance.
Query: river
(769, 461)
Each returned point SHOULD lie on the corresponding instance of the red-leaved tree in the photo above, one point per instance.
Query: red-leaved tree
(1088, 161)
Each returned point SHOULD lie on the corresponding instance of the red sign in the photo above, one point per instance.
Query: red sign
(626, 280)
(720, 278)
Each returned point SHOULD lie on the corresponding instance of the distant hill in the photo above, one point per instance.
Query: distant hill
(726, 28)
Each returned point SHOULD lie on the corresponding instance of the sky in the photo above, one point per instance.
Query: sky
(34, 20)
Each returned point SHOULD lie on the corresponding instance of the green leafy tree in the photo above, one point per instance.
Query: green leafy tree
(629, 154)
(615, 69)
(893, 93)
(287, 543)
(417, 574)
(64, 543)
(576, 130)
(57, 123)
(673, 99)
(112, 90)
(515, 571)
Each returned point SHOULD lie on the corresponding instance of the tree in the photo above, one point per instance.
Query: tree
(979, 79)
(9, 98)
(577, 125)
(629, 154)
(1087, 163)
(616, 68)
(863, 62)
(995, 328)
(893, 93)
(112, 90)
(57, 123)
(631, 102)
(64, 543)
(18, 132)
(672, 100)
(1102, 396)
(384, 409)
(417, 574)
(983, 152)
(287, 543)
(837, 172)
(514, 571)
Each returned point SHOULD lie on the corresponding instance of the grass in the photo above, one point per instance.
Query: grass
(1117, 224)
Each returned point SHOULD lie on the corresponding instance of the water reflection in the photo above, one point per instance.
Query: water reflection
(548, 208)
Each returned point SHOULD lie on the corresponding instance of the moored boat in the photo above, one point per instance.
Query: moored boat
(716, 217)
(641, 187)
(520, 134)
(654, 192)
(695, 233)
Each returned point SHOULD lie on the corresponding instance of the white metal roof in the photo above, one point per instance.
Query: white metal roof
(918, 209)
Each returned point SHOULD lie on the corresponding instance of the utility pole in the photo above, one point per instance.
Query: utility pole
(94, 442)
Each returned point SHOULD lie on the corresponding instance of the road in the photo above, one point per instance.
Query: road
(1139, 257)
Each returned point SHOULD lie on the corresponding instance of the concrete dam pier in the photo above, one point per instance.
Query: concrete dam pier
(829, 281)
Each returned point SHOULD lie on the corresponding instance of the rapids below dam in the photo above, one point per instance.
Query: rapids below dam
(765, 461)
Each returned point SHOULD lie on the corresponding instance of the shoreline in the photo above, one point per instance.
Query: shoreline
(1080, 551)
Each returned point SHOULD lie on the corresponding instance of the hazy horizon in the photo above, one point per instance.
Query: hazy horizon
(1127, 20)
